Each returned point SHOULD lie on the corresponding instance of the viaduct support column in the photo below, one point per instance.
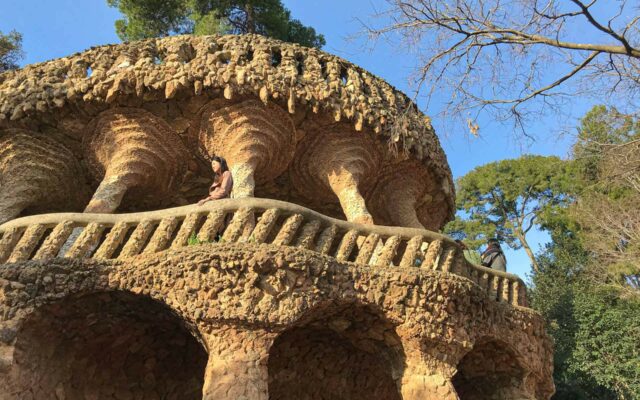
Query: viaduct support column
(237, 367)
(407, 194)
(38, 174)
(132, 149)
(426, 377)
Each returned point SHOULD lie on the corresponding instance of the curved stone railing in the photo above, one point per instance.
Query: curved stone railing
(119, 236)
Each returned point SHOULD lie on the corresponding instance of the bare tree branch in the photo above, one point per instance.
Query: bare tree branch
(515, 59)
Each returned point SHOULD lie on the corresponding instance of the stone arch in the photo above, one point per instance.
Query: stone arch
(492, 370)
(106, 345)
(347, 351)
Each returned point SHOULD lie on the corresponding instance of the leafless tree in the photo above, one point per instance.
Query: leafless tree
(516, 58)
(621, 165)
(610, 215)
(611, 232)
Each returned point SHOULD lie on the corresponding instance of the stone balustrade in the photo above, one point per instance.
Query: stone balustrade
(120, 236)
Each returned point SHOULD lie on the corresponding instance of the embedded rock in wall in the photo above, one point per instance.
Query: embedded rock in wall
(37, 174)
(131, 150)
(240, 320)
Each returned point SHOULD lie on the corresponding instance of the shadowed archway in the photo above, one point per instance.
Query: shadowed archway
(107, 345)
(491, 371)
(349, 353)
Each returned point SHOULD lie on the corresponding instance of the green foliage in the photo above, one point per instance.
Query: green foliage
(474, 232)
(587, 281)
(156, 18)
(608, 339)
(10, 50)
(151, 18)
(194, 241)
(209, 24)
(607, 162)
(590, 312)
(505, 198)
(553, 294)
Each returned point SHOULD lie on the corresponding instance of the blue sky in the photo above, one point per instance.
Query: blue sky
(53, 29)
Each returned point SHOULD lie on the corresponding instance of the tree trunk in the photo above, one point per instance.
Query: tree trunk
(523, 241)
(251, 23)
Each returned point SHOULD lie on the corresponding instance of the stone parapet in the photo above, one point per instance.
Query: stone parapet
(121, 236)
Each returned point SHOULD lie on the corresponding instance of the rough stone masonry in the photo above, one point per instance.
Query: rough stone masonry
(129, 128)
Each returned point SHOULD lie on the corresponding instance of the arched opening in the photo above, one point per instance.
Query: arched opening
(490, 371)
(109, 345)
(349, 353)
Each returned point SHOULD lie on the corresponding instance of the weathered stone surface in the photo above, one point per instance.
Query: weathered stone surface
(340, 165)
(106, 345)
(37, 174)
(149, 114)
(257, 141)
(402, 331)
(404, 195)
(131, 149)
(118, 236)
(242, 298)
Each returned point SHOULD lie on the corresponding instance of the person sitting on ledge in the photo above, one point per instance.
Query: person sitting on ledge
(493, 257)
(222, 183)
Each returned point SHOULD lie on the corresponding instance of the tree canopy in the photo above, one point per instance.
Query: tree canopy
(155, 18)
(10, 50)
(517, 59)
(506, 199)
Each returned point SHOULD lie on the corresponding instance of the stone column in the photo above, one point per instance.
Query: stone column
(244, 182)
(408, 195)
(337, 164)
(427, 377)
(131, 148)
(37, 173)
(344, 184)
(107, 196)
(12, 202)
(418, 385)
(257, 140)
(237, 368)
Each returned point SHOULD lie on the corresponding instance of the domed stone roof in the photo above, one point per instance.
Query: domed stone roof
(295, 123)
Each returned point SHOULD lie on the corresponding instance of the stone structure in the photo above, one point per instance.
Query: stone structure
(305, 297)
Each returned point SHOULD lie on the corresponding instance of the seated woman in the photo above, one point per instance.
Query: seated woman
(222, 183)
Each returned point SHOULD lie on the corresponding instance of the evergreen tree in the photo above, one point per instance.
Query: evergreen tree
(506, 199)
(155, 18)
(592, 313)
(586, 283)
